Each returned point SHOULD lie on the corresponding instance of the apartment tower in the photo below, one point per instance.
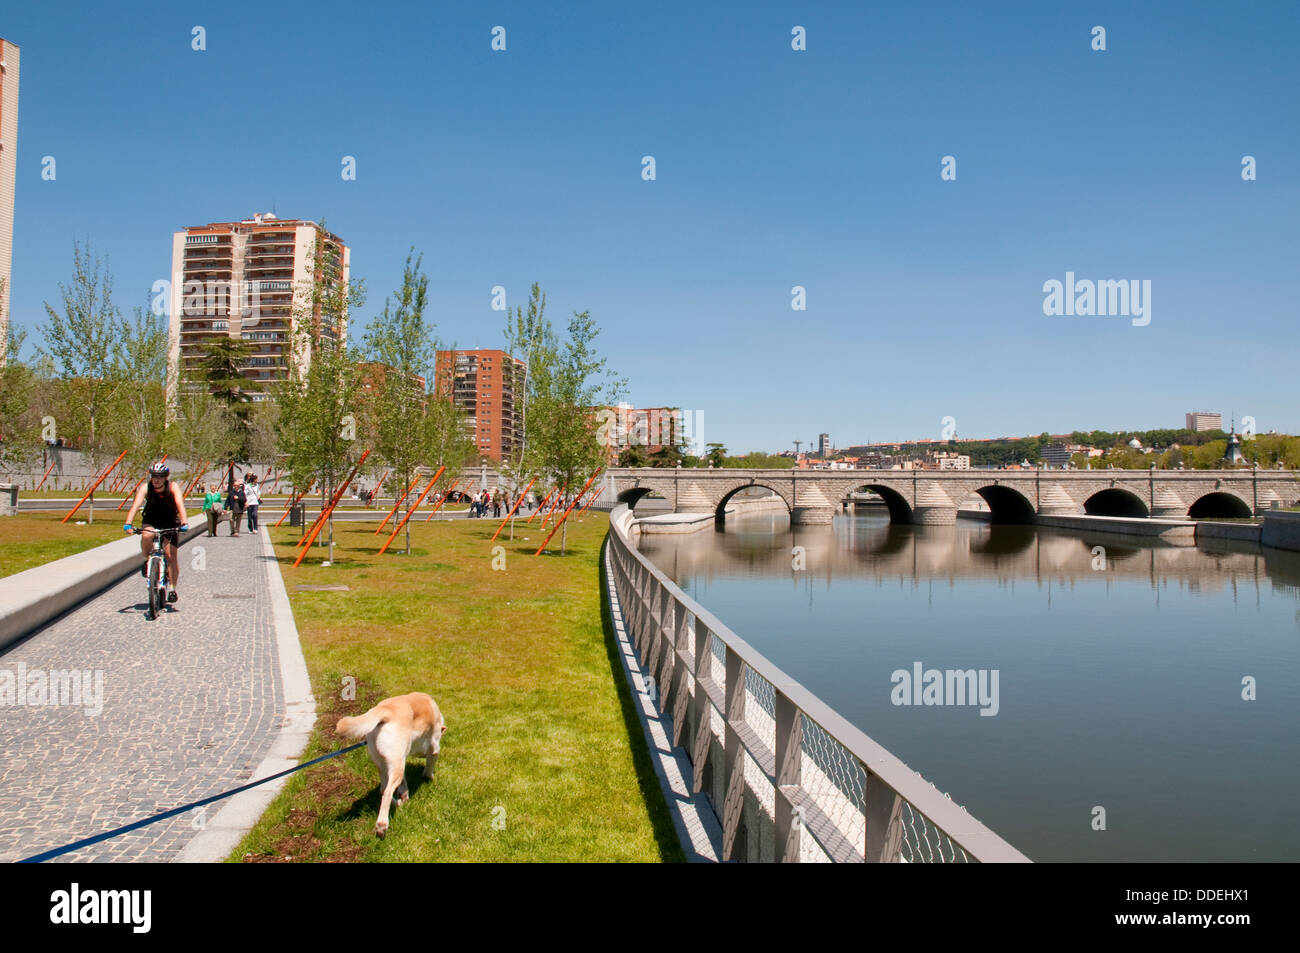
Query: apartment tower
(8, 173)
(251, 280)
(489, 386)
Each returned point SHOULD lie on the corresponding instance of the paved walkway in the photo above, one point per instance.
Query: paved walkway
(191, 704)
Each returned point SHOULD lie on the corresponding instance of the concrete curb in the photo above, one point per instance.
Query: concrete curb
(697, 827)
(35, 597)
(227, 828)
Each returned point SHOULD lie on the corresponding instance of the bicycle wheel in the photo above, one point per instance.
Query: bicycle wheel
(155, 589)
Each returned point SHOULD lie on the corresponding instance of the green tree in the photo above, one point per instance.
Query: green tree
(717, 454)
(137, 417)
(401, 343)
(317, 425)
(566, 384)
(83, 337)
(20, 424)
(633, 455)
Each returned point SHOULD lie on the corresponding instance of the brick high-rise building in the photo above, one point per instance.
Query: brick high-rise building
(250, 279)
(8, 172)
(489, 386)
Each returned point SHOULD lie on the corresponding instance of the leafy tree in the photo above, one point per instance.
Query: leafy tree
(403, 348)
(20, 428)
(565, 383)
(83, 338)
(204, 430)
(137, 417)
(633, 455)
(717, 454)
(317, 423)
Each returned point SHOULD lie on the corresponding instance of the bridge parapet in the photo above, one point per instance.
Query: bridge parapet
(933, 495)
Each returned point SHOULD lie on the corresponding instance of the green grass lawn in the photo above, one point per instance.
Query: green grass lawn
(28, 540)
(543, 759)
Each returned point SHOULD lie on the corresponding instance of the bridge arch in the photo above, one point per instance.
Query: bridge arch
(900, 511)
(633, 495)
(1221, 504)
(720, 511)
(1115, 501)
(1007, 505)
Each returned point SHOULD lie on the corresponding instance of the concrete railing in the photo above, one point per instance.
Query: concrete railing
(790, 778)
(36, 597)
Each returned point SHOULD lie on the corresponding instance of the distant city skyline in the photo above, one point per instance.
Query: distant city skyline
(818, 176)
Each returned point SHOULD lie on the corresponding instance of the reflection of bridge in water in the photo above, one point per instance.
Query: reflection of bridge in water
(969, 550)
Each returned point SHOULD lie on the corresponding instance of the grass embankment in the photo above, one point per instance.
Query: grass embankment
(543, 759)
(28, 540)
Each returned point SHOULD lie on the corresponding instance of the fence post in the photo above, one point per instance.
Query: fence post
(700, 743)
(681, 692)
(664, 661)
(789, 776)
(733, 791)
(883, 810)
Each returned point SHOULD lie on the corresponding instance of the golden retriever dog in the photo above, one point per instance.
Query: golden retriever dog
(392, 729)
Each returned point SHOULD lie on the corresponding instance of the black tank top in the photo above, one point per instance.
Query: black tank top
(160, 509)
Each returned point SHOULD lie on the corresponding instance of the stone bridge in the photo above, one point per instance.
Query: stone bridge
(933, 496)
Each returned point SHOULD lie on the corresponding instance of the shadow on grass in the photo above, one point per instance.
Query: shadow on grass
(670, 850)
(368, 807)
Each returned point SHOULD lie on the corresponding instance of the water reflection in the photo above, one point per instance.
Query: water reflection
(876, 548)
(1121, 680)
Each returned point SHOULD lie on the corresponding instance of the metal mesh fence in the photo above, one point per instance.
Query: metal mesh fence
(832, 785)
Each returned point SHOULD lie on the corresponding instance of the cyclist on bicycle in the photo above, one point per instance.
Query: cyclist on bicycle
(164, 508)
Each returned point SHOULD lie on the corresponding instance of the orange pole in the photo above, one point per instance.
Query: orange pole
(554, 506)
(445, 497)
(47, 473)
(411, 510)
(93, 487)
(197, 477)
(338, 495)
(599, 490)
(396, 505)
(540, 505)
(382, 479)
(566, 514)
(512, 509)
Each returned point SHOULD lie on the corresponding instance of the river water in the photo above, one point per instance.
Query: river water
(1120, 672)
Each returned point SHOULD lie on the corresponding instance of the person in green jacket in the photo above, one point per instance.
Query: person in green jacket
(212, 507)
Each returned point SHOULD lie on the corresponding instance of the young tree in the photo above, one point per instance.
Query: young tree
(402, 347)
(318, 426)
(136, 420)
(562, 423)
(204, 430)
(20, 419)
(82, 339)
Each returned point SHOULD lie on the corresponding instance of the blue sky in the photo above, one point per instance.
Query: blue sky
(775, 168)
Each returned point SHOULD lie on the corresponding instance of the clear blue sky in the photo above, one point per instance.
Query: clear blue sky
(775, 168)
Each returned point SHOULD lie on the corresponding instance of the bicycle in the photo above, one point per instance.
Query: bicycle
(156, 571)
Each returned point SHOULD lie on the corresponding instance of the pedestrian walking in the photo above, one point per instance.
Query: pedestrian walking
(496, 505)
(253, 496)
(212, 507)
(235, 502)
